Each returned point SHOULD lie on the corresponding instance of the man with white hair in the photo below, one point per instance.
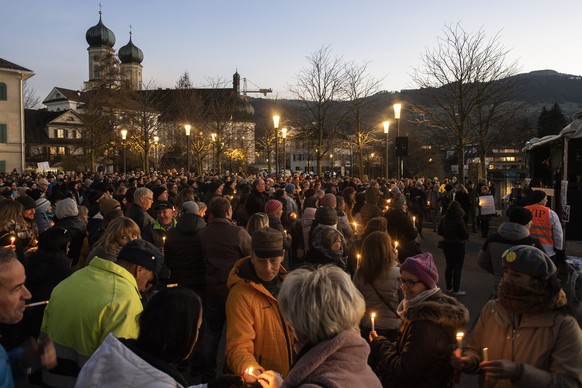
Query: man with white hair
(143, 198)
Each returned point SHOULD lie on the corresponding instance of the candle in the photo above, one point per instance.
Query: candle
(171, 285)
(249, 371)
(414, 219)
(428, 203)
(44, 302)
(358, 257)
(460, 336)
(396, 245)
(373, 318)
(12, 239)
(485, 354)
(164, 240)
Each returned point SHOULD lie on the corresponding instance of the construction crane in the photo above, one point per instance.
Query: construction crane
(260, 90)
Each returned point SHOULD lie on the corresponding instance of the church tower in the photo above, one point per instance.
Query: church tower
(131, 57)
(101, 41)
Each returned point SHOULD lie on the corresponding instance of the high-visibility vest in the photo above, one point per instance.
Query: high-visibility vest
(540, 224)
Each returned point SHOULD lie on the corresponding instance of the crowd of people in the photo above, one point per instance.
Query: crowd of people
(133, 280)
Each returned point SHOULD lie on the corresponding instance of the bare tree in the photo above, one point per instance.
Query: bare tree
(31, 99)
(318, 86)
(461, 79)
(359, 86)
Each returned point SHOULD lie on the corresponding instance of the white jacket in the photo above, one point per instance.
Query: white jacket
(115, 365)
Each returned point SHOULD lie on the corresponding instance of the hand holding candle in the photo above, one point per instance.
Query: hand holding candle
(460, 336)
(485, 354)
(12, 239)
(373, 318)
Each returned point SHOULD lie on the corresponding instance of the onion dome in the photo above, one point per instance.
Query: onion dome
(99, 35)
(130, 53)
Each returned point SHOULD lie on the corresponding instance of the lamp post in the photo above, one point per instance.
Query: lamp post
(397, 108)
(386, 128)
(156, 141)
(276, 126)
(124, 138)
(214, 137)
(187, 127)
(331, 163)
(371, 166)
(284, 136)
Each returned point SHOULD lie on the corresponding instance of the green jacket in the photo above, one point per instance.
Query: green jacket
(99, 299)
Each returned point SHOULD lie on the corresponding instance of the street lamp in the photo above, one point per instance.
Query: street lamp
(397, 108)
(331, 162)
(187, 127)
(276, 126)
(371, 166)
(156, 140)
(386, 128)
(284, 136)
(124, 138)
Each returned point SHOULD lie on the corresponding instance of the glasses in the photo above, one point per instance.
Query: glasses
(408, 283)
(151, 199)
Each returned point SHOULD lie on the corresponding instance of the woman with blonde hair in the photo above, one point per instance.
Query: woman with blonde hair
(377, 280)
(257, 221)
(13, 227)
(119, 232)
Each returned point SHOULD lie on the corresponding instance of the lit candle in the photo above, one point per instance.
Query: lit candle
(249, 371)
(172, 285)
(396, 245)
(373, 318)
(460, 336)
(293, 215)
(428, 203)
(485, 354)
(414, 219)
(358, 257)
(163, 240)
(12, 239)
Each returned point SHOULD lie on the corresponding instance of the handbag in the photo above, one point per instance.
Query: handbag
(384, 301)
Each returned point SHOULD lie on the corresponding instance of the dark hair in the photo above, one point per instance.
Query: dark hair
(7, 255)
(455, 210)
(54, 240)
(168, 325)
(219, 207)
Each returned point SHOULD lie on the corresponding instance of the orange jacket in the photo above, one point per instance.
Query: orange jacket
(540, 224)
(256, 335)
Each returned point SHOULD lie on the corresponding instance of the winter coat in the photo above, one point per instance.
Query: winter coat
(222, 244)
(453, 229)
(547, 344)
(401, 229)
(343, 224)
(319, 255)
(337, 362)
(256, 335)
(140, 216)
(255, 202)
(306, 221)
(370, 208)
(508, 234)
(182, 253)
(421, 357)
(388, 286)
(78, 230)
(119, 363)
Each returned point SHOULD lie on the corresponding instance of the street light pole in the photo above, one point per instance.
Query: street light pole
(124, 138)
(276, 126)
(386, 128)
(284, 135)
(187, 127)
(214, 137)
(397, 108)
(156, 156)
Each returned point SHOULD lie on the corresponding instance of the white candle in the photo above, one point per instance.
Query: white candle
(12, 239)
(460, 336)
(163, 240)
(485, 354)
(44, 302)
(414, 219)
(373, 318)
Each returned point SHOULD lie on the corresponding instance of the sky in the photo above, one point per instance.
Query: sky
(268, 41)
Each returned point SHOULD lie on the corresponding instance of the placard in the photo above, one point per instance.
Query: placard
(487, 204)
(566, 213)
(43, 166)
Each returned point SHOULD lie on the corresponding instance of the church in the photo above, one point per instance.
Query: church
(220, 120)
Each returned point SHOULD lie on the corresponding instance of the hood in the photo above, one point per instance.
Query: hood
(512, 231)
(242, 273)
(372, 194)
(440, 309)
(190, 223)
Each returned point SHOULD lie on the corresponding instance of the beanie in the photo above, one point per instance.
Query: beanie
(309, 213)
(519, 215)
(326, 216)
(106, 204)
(158, 190)
(398, 202)
(537, 196)
(328, 200)
(422, 266)
(42, 205)
(27, 202)
(528, 260)
(190, 207)
(272, 206)
(289, 188)
(66, 208)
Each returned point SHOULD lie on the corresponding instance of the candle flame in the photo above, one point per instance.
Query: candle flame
(460, 335)
(12, 240)
(373, 315)
(395, 244)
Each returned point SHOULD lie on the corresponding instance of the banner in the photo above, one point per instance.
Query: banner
(487, 204)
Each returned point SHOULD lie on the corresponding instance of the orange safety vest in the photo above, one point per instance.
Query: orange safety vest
(540, 224)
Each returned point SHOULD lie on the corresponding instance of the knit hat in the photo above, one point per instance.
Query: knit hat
(214, 185)
(27, 202)
(309, 193)
(326, 216)
(519, 215)
(190, 207)
(142, 252)
(529, 260)
(106, 204)
(66, 208)
(87, 183)
(272, 206)
(537, 196)
(309, 213)
(289, 188)
(423, 267)
(348, 190)
(158, 190)
(42, 205)
(267, 243)
(398, 202)
(43, 181)
(328, 200)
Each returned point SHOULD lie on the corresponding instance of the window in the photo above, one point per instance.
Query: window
(426, 147)
(60, 133)
(52, 151)
(61, 150)
(3, 135)
(2, 166)
(3, 92)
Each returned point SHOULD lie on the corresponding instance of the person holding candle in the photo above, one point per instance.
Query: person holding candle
(377, 278)
(157, 232)
(401, 228)
(256, 335)
(420, 357)
(324, 309)
(531, 339)
(12, 225)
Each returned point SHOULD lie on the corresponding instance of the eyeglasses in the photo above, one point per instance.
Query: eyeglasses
(151, 199)
(408, 283)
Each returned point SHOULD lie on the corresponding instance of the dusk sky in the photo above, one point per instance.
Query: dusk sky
(268, 40)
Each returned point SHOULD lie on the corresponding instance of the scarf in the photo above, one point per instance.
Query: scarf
(407, 303)
(529, 299)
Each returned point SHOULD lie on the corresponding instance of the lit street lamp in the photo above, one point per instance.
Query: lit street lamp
(156, 141)
(397, 108)
(276, 126)
(187, 127)
(214, 138)
(124, 138)
(386, 128)
(371, 167)
(284, 136)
